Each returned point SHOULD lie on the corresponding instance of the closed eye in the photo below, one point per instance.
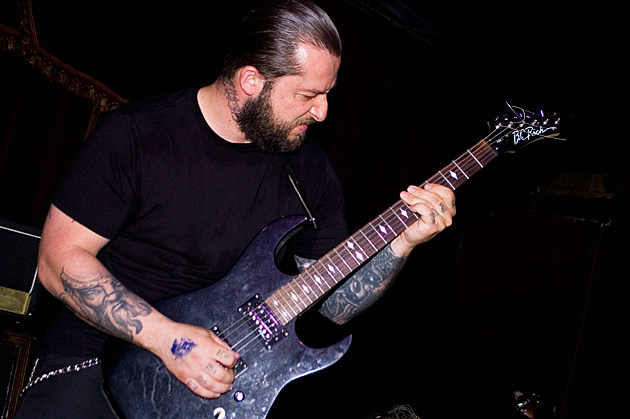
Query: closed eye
(307, 97)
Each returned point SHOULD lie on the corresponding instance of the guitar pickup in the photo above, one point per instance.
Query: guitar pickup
(262, 320)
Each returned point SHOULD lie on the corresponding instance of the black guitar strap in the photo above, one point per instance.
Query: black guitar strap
(299, 190)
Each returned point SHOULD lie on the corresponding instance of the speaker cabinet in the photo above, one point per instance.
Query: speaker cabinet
(18, 267)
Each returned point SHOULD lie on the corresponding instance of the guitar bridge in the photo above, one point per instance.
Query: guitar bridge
(262, 320)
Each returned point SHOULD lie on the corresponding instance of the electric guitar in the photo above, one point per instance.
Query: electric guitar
(259, 304)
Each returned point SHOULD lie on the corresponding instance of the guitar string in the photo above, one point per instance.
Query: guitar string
(243, 342)
(437, 176)
(253, 334)
(466, 162)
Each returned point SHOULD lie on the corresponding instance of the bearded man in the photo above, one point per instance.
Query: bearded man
(168, 192)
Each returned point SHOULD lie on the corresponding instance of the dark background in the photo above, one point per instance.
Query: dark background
(523, 293)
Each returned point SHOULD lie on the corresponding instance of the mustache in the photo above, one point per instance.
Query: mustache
(307, 120)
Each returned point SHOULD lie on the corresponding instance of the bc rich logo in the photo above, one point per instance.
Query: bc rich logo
(526, 134)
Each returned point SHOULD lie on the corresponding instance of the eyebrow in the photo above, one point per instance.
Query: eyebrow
(319, 92)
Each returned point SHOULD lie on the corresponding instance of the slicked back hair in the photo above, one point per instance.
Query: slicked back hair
(270, 35)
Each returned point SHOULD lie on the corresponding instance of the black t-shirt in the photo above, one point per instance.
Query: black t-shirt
(179, 204)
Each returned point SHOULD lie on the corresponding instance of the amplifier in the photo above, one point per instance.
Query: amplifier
(18, 266)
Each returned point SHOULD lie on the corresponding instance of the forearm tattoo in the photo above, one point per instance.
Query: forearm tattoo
(363, 288)
(105, 303)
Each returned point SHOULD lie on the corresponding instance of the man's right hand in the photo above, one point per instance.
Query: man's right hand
(198, 358)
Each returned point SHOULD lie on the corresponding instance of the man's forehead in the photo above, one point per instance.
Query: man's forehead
(318, 70)
(304, 84)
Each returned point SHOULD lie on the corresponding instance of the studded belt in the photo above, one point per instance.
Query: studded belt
(60, 371)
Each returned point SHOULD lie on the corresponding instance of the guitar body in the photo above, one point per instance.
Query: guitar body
(140, 385)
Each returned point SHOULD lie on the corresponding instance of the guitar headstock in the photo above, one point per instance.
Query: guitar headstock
(520, 127)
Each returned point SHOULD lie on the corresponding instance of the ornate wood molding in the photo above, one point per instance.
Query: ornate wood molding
(23, 42)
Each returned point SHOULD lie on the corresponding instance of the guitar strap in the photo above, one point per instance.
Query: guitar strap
(299, 190)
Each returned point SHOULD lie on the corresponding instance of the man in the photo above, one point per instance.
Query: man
(167, 194)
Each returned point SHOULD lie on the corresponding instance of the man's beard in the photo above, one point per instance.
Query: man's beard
(259, 124)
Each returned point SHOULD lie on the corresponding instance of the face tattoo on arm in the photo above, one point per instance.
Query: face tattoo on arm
(104, 302)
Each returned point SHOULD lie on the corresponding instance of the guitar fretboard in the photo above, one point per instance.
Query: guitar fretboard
(315, 281)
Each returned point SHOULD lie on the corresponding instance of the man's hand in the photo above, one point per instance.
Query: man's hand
(436, 206)
(199, 359)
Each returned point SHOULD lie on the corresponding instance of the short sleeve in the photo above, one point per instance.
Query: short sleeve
(99, 189)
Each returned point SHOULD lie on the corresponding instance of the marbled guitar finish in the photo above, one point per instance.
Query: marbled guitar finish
(255, 306)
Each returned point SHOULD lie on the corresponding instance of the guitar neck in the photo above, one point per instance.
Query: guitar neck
(318, 279)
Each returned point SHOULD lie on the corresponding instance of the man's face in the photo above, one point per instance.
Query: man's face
(277, 119)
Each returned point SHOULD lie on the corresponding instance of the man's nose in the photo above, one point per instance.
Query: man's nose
(320, 109)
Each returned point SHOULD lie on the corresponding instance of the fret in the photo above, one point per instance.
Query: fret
(456, 179)
(487, 154)
(279, 312)
(383, 229)
(358, 256)
(460, 170)
(398, 217)
(343, 260)
(332, 269)
(305, 289)
(367, 238)
(317, 282)
(286, 295)
(321, 278)
(447, 181)
(473, 156)
(377, 234)
(274, 306)
(295, 296)
(295, 293)
(279, 309)
(326, 269)
(281, 301)
(405, 210)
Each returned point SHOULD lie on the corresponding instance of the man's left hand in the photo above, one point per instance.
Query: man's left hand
(435, 204)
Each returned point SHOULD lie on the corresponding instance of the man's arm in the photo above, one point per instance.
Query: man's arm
(436, 206)
(69, 269)
(363, 288)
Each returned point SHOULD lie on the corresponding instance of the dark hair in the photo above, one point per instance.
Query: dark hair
(270, 35)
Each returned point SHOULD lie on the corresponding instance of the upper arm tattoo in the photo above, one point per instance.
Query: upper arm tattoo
(363, 288)
(105, 303)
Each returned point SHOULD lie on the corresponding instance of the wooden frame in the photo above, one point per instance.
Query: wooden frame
(22, 342)
(22, 41)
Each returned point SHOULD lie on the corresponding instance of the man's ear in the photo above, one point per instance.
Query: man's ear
(250, 80)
